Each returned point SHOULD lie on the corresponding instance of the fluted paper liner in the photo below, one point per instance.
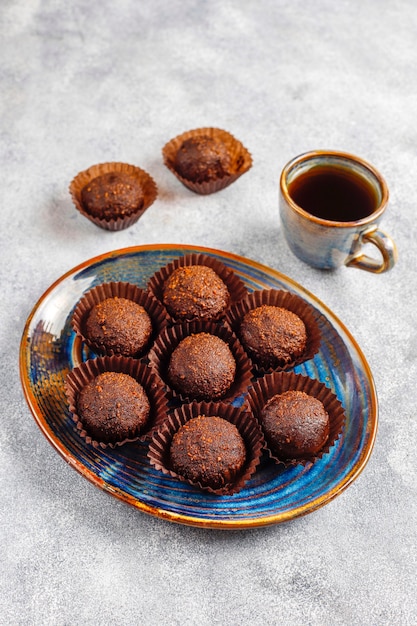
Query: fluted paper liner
(129, 291)
(168, 340)
(236, 287)
(241, 159)
(279, 382)
(159, 447)
(80, 376)
(146, 182)
(285, 300)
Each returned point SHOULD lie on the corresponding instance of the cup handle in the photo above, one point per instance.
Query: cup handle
(385, 245)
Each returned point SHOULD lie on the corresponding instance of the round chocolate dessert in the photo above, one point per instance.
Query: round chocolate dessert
(195, 292)
(202, 366)
(295, 425)
(119, 326)
(113, 407)
(273, 336)
(112, 195)
(202, 159)
(209, 451)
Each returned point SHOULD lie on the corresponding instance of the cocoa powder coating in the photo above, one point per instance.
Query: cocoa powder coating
(202, 366)
(202, 158)
(119, 326)
(295, 425)
(195, 292)
(208, 450)
(273, 335)
(113, 407)
(112, 195)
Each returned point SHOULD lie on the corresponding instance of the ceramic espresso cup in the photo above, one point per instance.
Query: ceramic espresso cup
(331, 204)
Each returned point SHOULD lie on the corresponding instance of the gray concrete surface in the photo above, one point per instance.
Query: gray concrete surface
(84, 82)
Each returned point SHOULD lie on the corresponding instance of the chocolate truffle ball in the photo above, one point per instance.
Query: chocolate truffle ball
(295, 425)
(273, 336)
(119, 326)
(202, 366)
(208, 450)
(195, 292)
(113, 407)
(112, 195)
(202, 159)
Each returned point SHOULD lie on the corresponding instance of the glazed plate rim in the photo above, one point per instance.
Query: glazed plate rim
(161, 511)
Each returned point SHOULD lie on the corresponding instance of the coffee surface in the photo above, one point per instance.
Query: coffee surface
(335, 194)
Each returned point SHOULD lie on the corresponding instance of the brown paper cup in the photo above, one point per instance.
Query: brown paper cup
(145, 181)
(279, 382)
(285, 300)
(80, 376)
(159, 446)
(168, 340)
(234, 284)
(120, 290)
(241, 160)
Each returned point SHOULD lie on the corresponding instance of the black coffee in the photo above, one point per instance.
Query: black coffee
(333, 193)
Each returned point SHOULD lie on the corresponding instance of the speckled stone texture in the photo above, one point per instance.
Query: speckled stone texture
(88, 82)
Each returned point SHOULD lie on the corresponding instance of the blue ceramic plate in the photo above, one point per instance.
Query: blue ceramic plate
(49, 350)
